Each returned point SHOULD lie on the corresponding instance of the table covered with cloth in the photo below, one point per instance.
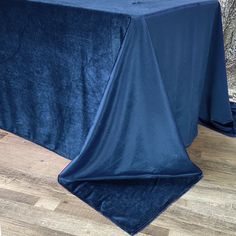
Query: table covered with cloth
(117, 87)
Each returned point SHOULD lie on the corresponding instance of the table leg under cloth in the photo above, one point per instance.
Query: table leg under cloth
(120, 95)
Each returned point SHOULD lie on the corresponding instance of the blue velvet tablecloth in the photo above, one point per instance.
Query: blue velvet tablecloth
(118, 87)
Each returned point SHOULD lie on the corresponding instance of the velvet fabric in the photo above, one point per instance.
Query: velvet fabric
(118, 87)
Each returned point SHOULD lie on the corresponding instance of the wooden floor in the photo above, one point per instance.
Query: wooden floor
(32, 203)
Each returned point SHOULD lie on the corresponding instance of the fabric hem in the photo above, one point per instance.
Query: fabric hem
(61, 154)
(154, 215)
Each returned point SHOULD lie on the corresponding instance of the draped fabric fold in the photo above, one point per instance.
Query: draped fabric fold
(128, 157)
(119, 89)
(216, 111)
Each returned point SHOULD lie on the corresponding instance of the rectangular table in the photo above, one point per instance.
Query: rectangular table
(117, 87)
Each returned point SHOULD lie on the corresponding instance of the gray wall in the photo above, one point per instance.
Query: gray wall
(229, 22)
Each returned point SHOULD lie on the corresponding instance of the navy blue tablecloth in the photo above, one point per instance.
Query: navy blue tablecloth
(117, 87)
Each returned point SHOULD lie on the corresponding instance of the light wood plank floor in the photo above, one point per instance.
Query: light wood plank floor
(32, 203)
